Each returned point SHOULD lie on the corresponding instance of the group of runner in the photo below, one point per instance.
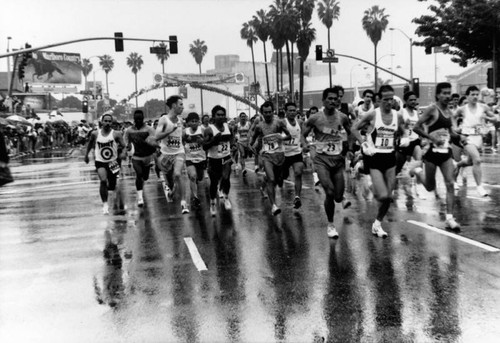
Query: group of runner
(378, 139)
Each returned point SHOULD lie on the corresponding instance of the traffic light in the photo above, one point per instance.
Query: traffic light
(319, 52)
(118, 42)
(416, 87)
(28, 54)
(22, 65)
(183, 92)
(173, 44)
(428, 50)
(85, 106)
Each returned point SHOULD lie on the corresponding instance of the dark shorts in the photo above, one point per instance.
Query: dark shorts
(276, 159)
(437, 158)
(380, 161)
(216, 165)
(290, 161)
(408, 150)
(329, 162)
(104, 165)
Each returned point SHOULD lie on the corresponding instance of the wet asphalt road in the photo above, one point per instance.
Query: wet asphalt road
(70, 274)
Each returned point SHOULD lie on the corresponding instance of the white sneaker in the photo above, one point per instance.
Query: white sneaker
(184, 207)
(331, 231)
(140, 202)
(227, 204)
(169, 194)
(452, 224)
(213, 211)
(482, 192)
(316, 179)
(105, 208)
(377, 230)
(221, 194)
(275, 210)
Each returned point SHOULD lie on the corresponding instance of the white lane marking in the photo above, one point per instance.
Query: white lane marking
(195, 255)
(479, 198)
(494, 186)
(452, 235)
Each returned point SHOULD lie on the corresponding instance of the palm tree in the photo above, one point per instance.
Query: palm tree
(86, 69)
(135, 62)
(278, 39)
(305, 37)
(328, 11)
(162, 58)
(260, 23)
(247, 33)
(107, 63)
(198, 49)
(374, 23)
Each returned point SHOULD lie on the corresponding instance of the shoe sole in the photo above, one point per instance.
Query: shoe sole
(276, 212)
(383, 236)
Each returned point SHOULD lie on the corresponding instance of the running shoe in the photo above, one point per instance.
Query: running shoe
(331, 231)
(263, 192)
(275, 210)
(244, 173)
(227, 204)
(452, 224)
(377, 230)
(346, 203)
(213, 211)
(105, 208)
(184, 207)
(316, 179)
(140, 202)
(221, 194)
(482, 192)
(169, 194)
(297, 203)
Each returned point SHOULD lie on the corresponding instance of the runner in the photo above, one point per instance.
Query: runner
(138, 138)
(169, 133)
(413, 149)
(218, 139)
(106, 142)
(293, 151)
(379, 151)
(437, 119)
(242, 129)
(272, 154)
(473, 115)
(328, 152)
(196, 157)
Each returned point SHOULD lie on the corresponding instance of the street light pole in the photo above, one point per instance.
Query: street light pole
(411, 51)
(8, 66)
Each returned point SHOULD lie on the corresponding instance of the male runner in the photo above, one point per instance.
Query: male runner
(196, 157)
(169, 133)
(473, 115)
(218, 139)
(106, 142)
(330, 127)
(379, 151)
(242, 129)
(438, 130)
(272, 153)
(293, 151)
(136, 138)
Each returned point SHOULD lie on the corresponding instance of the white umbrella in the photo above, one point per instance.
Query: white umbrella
(18, 120)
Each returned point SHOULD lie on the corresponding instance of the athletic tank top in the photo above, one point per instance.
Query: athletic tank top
(412, 119)
(172, 144)
(272, 140)
(440, 130)
(472, 121)
(329, 140)
(194, 150)
(383, 134)
(292, 146)
(242, 132)
(106, 148)
(222, 149)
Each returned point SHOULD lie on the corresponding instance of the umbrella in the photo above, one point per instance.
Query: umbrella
(18, 120)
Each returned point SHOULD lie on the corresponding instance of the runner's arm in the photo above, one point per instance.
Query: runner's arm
(361, 124)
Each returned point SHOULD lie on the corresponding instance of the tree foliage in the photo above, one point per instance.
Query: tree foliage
(468, 27)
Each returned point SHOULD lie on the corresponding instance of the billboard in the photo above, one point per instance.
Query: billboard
(35, 101)
(53, 67)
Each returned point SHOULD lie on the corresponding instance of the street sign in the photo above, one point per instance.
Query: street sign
(330, 60)
(330, 53)
(158, 50)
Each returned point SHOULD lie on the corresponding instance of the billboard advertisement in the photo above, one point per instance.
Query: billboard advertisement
(53, 67)
(35, 101)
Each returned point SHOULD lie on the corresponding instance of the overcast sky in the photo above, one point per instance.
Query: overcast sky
(218, 23)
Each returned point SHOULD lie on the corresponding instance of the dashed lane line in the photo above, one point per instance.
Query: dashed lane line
(195, 255)
(453, 235)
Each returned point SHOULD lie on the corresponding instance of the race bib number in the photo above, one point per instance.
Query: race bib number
(194, 147)
(468, 130)
(173, 142)
(443, 136)
(272, 144)
(330, 147)
(223, 147)
(114, 167)
(384, 142)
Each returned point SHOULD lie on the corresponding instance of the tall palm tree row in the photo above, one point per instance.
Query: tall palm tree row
(305, 37)
(199, 49)
(107, 63)
(247, 33)
(260, 23)
(374, 23)
(162, 58)
(86, 69)
(328, 11)
(135, 62)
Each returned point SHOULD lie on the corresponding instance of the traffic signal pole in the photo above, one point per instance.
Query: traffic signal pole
(22, 51)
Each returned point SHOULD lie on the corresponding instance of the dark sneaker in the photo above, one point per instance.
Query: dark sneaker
(297, 203)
